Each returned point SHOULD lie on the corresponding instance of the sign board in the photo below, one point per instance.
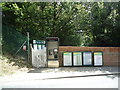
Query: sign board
(87, 58)
(24, 47)
(67, 58)
(53, 63)
(38, 45)
(38, 42)
(77, 58)
(98, 59)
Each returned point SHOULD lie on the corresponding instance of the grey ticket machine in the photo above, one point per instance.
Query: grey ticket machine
(52, 46)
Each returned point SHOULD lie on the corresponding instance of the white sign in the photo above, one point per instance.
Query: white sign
(87, 58)
(97, 58)
(77, 58)
(67, 59)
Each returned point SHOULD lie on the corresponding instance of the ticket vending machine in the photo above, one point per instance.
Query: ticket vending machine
(52, 47)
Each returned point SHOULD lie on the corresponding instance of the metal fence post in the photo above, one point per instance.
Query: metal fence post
(0, 32)
(28, 46)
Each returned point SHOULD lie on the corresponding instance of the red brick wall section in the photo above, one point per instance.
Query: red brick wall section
(118, 56)
(111, 55)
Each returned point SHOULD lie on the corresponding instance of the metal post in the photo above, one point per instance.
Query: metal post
(0, 32)
(28, 46)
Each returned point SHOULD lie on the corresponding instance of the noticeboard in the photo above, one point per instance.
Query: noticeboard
(87, 58)
(98, 59)
(67, 59)
(77, 58)
(39, 42)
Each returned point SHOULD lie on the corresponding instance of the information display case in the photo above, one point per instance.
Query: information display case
(77, 58)
(67, 58)
(87, 59)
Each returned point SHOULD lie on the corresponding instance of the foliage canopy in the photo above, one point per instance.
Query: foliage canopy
(76, 24)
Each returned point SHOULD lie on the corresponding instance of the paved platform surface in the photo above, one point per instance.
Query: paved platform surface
(63, 77)
(61, 72)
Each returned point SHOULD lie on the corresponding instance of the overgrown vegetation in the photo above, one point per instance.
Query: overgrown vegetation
(10, 65)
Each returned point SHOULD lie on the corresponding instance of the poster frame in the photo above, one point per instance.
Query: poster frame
(63, 59)
(73, 59)
(94, 59)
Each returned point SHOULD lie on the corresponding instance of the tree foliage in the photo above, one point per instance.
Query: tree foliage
(88, 24)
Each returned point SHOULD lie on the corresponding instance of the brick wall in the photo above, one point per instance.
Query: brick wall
(111, 55)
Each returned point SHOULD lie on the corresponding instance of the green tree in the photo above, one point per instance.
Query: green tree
(103, 24)
(97, 22)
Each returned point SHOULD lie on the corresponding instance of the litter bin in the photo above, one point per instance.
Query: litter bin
(67, 58)
(98, 58)
(77, 58)
(87, 58)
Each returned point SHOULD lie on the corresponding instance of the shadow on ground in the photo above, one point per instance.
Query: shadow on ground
(88, 70)
(75, 69)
